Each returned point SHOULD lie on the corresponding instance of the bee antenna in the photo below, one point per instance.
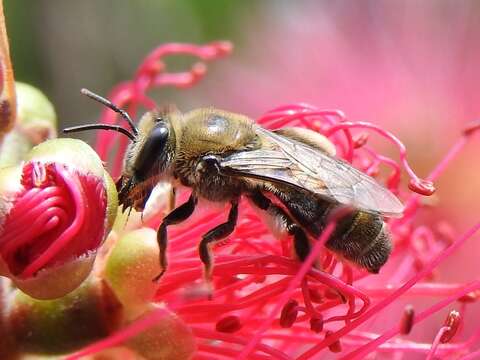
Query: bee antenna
(100, 127)
(112, 106)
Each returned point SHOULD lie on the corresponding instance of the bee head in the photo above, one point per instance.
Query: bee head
(152, 151)
(148, 158)
(149, 155)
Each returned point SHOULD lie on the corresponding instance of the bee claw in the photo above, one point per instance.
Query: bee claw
(208, 284)
(157, 278)
(209, 289)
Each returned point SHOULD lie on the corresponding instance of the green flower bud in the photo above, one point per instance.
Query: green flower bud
(170, 339)
(35, 113)
(130, 268)
(89, 313)
(36, 122)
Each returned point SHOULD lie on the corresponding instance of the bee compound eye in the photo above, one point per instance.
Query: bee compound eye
(152, 151)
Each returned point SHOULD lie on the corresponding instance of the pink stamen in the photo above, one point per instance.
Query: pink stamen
(413, 202)
(406, 324)
(253, 281)
(229, 324)
(228, 338)
(293, 284)
(388, 300)
(423, 187)
(152, 72)
(316, 324)
(335, 346)
(452, 323)
(289, 314)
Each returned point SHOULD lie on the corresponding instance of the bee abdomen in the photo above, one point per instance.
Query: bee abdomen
(363, 239)
(377, 254)
(360, 237)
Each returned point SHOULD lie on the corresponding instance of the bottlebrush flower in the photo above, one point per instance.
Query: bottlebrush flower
(56, 209)
(266, 304)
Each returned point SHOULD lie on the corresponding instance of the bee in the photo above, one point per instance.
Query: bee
(290, 173)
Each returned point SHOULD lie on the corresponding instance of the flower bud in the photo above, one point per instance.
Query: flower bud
(55, 211)
(35, 113)
(170, 339)
(35, 122)
(131, 266)
(89, 313)
(13, 148)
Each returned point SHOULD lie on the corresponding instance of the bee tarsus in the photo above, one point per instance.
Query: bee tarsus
(216, 234)
(177, 215)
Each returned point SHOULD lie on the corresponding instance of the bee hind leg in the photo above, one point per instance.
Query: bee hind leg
(176, 216)
(216, 234)
(301, 243)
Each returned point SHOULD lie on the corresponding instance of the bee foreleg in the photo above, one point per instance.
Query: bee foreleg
(217, 233)
(176, 216)
(301, 243)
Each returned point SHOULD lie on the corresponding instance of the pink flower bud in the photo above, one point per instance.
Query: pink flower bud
(56, 209)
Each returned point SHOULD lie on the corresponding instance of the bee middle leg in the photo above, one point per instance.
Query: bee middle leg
(176, 216)
(301, 243)
(217, 233)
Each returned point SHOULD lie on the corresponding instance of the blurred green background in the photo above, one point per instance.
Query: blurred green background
(379, 60)
(62, 46)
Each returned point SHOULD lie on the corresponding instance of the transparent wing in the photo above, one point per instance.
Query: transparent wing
(291, 162)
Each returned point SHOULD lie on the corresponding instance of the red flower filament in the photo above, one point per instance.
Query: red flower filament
(65, 207)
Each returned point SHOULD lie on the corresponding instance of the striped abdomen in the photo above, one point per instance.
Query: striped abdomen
(360, 237)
